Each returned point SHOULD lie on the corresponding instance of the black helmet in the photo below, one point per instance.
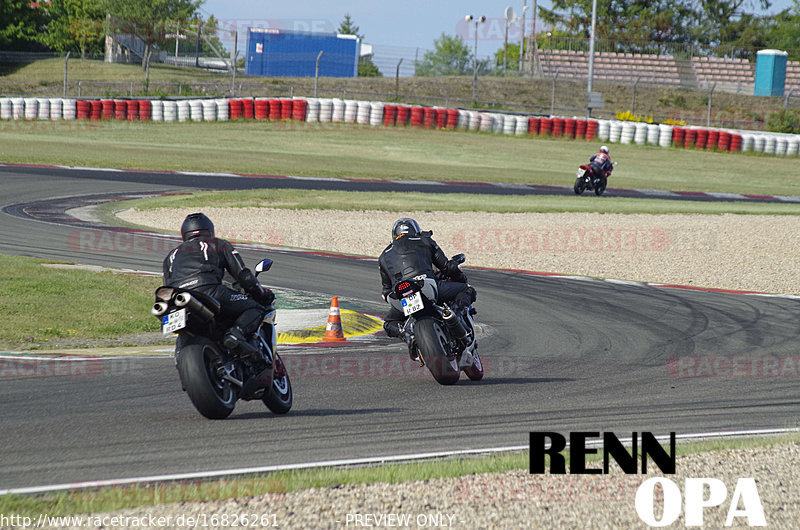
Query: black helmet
(196, 225)
(406, 225)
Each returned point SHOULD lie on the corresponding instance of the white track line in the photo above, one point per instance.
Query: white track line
(205, 475)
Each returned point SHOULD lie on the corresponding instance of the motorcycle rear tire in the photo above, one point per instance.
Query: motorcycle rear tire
(578, 187)
(430, 337)
(279, 397)
(212, 396)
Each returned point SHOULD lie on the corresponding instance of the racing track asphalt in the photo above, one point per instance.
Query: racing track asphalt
(565, 355)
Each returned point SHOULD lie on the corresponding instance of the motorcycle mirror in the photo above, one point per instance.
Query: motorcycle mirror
(263, 265)
(459, 258)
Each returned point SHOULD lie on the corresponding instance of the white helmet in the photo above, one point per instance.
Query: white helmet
(604, 149)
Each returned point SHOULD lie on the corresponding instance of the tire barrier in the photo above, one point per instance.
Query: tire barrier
(603, 130)
(312, 110)
(43, 110)
(627, 132)
(157, 110)
(377, 113)
(615, 132)
(545, 126)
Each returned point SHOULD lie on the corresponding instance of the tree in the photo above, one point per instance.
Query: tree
(624, 20)
(346, 26)
(511, 58)
(73, 25)
(366, 68)
(20, 21)
(148, 19)
(450, 56)
(723, 21)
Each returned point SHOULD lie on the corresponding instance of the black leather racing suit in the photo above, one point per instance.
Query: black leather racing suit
(200, 263)
(411, 256)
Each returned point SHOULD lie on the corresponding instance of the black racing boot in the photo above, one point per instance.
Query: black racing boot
(236, 341)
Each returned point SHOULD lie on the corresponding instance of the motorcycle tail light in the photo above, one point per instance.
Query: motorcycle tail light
(164, 293)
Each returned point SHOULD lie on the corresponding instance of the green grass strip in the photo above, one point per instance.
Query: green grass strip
(452, 202)
(396, 153)
(34, 297)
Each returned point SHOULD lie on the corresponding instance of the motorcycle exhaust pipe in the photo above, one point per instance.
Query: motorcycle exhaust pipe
(159, 308)
(194, 305)
(454, 325)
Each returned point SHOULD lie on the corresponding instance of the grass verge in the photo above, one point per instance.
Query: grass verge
(35, 297)
(354, 151)
(451, 202)
(115, 498)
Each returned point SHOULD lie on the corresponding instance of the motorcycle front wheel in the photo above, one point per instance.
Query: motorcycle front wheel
(201, 368)
(475, 372)
(578, 187)
(431, 342)
(279, 397)
(600, 187)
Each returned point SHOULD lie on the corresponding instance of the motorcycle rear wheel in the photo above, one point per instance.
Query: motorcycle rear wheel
(279, 397)
(431, 341)
(199, 368)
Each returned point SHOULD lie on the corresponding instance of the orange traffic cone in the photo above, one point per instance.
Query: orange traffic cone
(333, 331)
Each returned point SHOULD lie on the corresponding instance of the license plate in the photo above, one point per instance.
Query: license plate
(412, 304)
(173, 321)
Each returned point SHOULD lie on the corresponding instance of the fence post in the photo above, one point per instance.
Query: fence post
(708, 114)
(397, 80)
(66, 62)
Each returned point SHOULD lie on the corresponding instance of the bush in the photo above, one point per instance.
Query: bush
(785, 121)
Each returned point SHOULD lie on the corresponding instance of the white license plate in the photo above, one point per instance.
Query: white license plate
(412, 304)
(173, 321)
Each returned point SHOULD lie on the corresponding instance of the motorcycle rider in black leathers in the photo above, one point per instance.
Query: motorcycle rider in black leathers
(199, 264)
(412, 254)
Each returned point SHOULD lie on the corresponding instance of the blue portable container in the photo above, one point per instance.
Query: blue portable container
(287, 53)
(770, 73)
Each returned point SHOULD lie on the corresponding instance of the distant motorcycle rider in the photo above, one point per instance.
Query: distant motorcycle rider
(199, 264)
(413, 254)
(601, 163)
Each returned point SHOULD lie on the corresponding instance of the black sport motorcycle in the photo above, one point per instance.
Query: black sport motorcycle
(442, 338)
(214, 377)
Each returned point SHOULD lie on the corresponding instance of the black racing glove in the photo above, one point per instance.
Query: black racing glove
(454, 272)
(264, 296)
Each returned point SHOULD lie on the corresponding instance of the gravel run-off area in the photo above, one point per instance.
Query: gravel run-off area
(738, 252)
